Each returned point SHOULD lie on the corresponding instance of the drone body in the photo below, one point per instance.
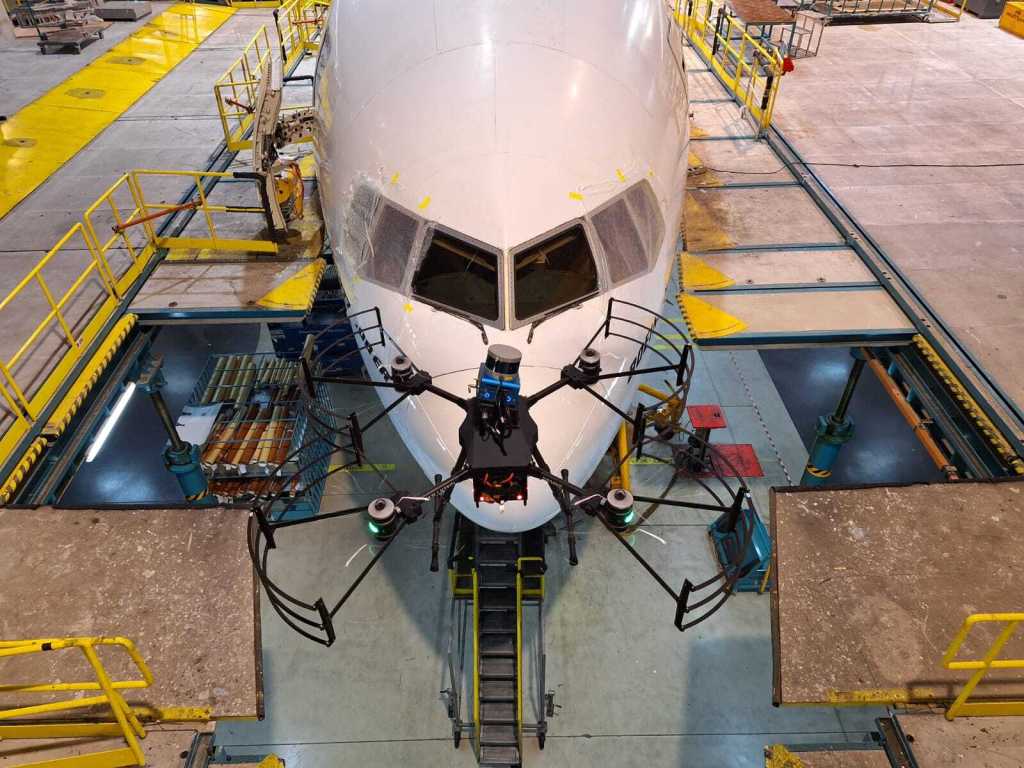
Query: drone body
(493, 172)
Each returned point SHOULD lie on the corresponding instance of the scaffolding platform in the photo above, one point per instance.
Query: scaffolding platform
(765, 266)
(967, 742)
(178, 582)
(874, 582)
(244, 280)
(839, 756)
(167, 746)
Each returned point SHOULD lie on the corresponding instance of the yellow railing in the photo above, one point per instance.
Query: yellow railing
(476, 662)
(125, 724)
(750, 70)
(298, 24)
(521, 591)
(235, 90)
(951, 8)
(960, 706)
(99, 260)
(148, 213)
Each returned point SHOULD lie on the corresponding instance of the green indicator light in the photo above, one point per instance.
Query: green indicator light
(373, 527)
(629, 518)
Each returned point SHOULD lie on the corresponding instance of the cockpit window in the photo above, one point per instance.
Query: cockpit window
(558, 271)
(629, 228)
(391, 246)
(459, 275)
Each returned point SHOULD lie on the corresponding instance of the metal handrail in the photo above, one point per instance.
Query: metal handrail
(126, 723)
(237, 88)
(750, 70)
(121, 206)
(519, 640)
(960, 706)
(476, 662)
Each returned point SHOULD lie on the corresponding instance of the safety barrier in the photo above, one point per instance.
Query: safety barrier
(235, 90)
(78, 286)
(476, 662)
(298, 24)
(951, 8)
(960, 706)
(751, 71)
(125, 723)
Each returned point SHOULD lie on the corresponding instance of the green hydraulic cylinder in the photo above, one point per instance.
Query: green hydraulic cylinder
(834, 431)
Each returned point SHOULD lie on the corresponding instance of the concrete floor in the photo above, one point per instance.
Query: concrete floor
(928, 93)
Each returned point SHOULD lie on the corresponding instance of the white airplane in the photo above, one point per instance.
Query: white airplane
(497, 169)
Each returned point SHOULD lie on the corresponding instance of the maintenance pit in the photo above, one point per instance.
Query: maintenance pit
(843, 325)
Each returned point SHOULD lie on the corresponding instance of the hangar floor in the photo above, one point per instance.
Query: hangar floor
(629, 689)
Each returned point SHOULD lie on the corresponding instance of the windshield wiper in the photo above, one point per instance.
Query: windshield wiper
(549, 315)
(471, 320)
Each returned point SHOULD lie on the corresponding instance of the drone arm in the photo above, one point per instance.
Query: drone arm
(550, 389)
(445, 395)
(362, 575)
(386, 411)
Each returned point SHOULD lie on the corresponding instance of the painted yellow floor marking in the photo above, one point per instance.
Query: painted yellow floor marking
(706, 321)
(881, 696)
(297, 291)
(699, 275)
(362, 468)
(40, 138)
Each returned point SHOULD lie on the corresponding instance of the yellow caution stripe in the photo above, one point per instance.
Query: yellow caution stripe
(881, 696)
(988, 430)
(40, 138)
(698, 275)
(63, 413)
(705, 320)
(777, 756)
(298, 291)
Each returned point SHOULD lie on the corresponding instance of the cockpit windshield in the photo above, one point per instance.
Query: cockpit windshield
(556, 272)
(459, 275)
(399, 249)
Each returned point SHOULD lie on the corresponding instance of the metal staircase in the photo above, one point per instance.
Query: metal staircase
(499, 649)
(495, 578)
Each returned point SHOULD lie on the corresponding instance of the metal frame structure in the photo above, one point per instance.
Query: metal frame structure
(125, 722)
(693, 602)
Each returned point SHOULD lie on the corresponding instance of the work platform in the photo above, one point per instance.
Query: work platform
(164, 747)
(177, 582)
(873, 584)
(764, 265)
(971, 742)
(919, 739)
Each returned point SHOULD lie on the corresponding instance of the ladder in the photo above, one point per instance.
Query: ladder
(498, 649)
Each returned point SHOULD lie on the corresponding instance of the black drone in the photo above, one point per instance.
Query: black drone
(498, 440)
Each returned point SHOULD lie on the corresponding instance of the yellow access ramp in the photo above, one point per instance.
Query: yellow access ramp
(40, 138)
